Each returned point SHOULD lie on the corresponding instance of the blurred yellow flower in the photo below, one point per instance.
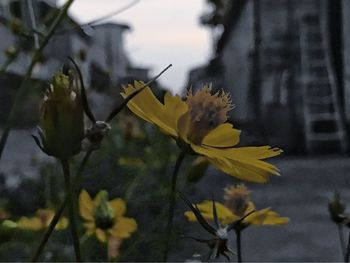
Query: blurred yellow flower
(105, 218)
(237, 205)
(41, 221)
(198, 124)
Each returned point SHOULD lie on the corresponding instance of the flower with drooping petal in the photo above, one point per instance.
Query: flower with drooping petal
(105, 218)
(199, 126)
(237, 205)
(41, 221)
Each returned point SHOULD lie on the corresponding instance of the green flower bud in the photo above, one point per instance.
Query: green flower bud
(336, 208)
(103, 213)
(10, 52)
(16, 26)
(61, 118)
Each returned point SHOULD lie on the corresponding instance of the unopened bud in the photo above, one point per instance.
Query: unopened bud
(61, 118)
(336, 208)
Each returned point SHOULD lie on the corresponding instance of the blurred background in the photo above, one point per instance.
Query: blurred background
(286, 64)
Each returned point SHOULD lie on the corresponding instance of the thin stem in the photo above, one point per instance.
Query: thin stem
(341, 239)
(59, 212)
(133, 94)
(48, 232)
(33, 23)
(172, 204)
(71, 212)
(347, 255)
(23, 89)
(114, 13)
(239, 245)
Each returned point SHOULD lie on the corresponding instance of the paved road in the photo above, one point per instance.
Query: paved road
(302, 194)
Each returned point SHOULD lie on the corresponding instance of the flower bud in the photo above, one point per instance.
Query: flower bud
(10, 52)
(336, 209)
(61, 118)
(103, 213)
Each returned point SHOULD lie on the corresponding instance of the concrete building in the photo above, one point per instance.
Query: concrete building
(287, 65)
(99, 49)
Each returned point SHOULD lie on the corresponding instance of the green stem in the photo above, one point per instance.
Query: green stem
(23, 89)
(59, 212)
(71, 212)
(48, 232)
(347, 255)
(239, 245)
(172, 204)
(341, 240)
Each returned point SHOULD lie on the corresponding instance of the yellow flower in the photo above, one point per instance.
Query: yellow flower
(237, 205)
(198, 124)
(41, 221)
(105, 218)
(61, 118)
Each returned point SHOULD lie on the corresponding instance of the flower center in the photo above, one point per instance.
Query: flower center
(237, 199)
(104, 222)
(206, 112)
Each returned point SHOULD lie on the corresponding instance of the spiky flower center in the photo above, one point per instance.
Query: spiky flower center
(206, 111)
(237, 199)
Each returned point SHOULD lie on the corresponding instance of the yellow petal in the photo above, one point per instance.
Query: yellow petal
(261, 152)
(86, 206)
(183, 126)
(265, 217)
(123, 227)
(62, 223)
(242, 163)
(206, 208)
(90, 227)
(174, 108)
(241, 171)
(250, 208)
(30, 223)
(101, 235)
(119, 206)
(148, 107)
(222, 136)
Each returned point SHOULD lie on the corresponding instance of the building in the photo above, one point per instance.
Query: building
(98, 49)
(287, 66)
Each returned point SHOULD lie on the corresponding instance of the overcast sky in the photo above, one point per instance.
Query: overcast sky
(163, 32)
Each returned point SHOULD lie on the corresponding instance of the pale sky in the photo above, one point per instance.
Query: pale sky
(163, 32)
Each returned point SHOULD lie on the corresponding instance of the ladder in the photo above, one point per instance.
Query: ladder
(323, 121)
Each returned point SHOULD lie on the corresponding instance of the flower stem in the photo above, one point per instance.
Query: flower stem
(347, 255)
(48, 232)
(172, 204)
(239, 245)
(341, 239)
(23, 89)
(59, 212)
(71, 212)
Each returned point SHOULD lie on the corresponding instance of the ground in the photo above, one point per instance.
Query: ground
(301, 193)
